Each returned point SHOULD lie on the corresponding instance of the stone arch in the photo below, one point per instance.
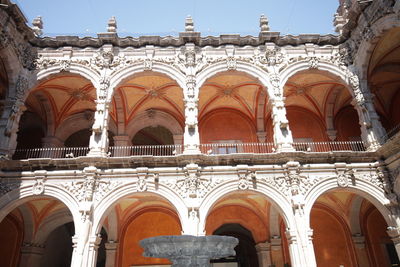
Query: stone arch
(16, 197)
(12, 67)
(328, 68)
(74, 68)
(51, 223)
(366, 47)
(158, 118)
(246, 68)
(121, 75)
(107, 203)
(354, 215)
(74, 123)
(277, 200)
(362, 188)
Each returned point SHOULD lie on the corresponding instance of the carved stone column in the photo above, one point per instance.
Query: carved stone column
(361, 252)
(12, 111)
(191, 135)
(111, 253)
(282, 135)
(372, 131)
(394, 233)
(99, 139)
(31, 255)
(264, 254)
(301, 247)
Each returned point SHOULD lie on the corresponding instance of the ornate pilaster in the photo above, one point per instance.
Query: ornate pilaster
(264, 254)
(99, 139)
(300, 236)
(13, 109)
(371, 128)
(282, 135)
(191, 135)
(394, 233)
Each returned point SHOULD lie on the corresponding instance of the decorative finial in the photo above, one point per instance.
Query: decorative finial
(112, 25)
(189, 25)
(264, 23)
(37, 25)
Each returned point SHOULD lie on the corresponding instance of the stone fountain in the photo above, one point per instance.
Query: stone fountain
(187, 250)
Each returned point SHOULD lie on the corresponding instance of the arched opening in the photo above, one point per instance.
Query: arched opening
(384, 78)
(79, 139)
(133, 218)
(37, 233)
(355, 229)
(253, 219)
(246, 254)
(157, 135)
(148, 108)
(319, 110)
(54, 102)
(233, 110)
(58, 246)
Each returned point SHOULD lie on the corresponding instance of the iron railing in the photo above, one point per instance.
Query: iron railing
(51, 152)
(329, 146)
(145, 150)
(232, 148)
(172, 150)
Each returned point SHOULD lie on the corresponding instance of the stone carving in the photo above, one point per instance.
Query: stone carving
(38, 187)
(191, 113)
(273, 56)
(4, 39)
(275, 81)
(193, 185)
(27, 55)
(142, 179)
(21, 87)
(65, 65)
(7, 186)
(191, 84)
(231, 63)
(148, 64)
(247, 179)
(104, 60)
(313, 63)
(345, 176)
(104, 85)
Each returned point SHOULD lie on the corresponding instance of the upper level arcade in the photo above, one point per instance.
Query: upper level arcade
(153, 96)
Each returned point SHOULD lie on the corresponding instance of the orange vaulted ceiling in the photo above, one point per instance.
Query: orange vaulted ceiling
(148, 91)
(311, 90)
(233, 90)
(63, 96)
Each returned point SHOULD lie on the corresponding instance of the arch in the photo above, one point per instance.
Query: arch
(362, 188)
(74, 68)
(326, 67)
(246, 68)
(158, 118)
(51, 223)
(74, 123)
(17, 197)
(103, 208)
(276, 199)
(366, 47)
(12, 67)
(354, 215)
(125, 73)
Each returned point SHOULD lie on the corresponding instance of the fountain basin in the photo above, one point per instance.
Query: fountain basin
(187, 250)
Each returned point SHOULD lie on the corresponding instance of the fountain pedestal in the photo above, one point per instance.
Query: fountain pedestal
(187, 250)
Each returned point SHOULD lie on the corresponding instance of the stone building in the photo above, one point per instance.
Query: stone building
(287, 142)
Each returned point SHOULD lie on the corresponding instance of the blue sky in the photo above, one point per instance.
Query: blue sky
(166, 17)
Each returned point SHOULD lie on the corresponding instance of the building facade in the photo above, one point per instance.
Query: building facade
(289, 143)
